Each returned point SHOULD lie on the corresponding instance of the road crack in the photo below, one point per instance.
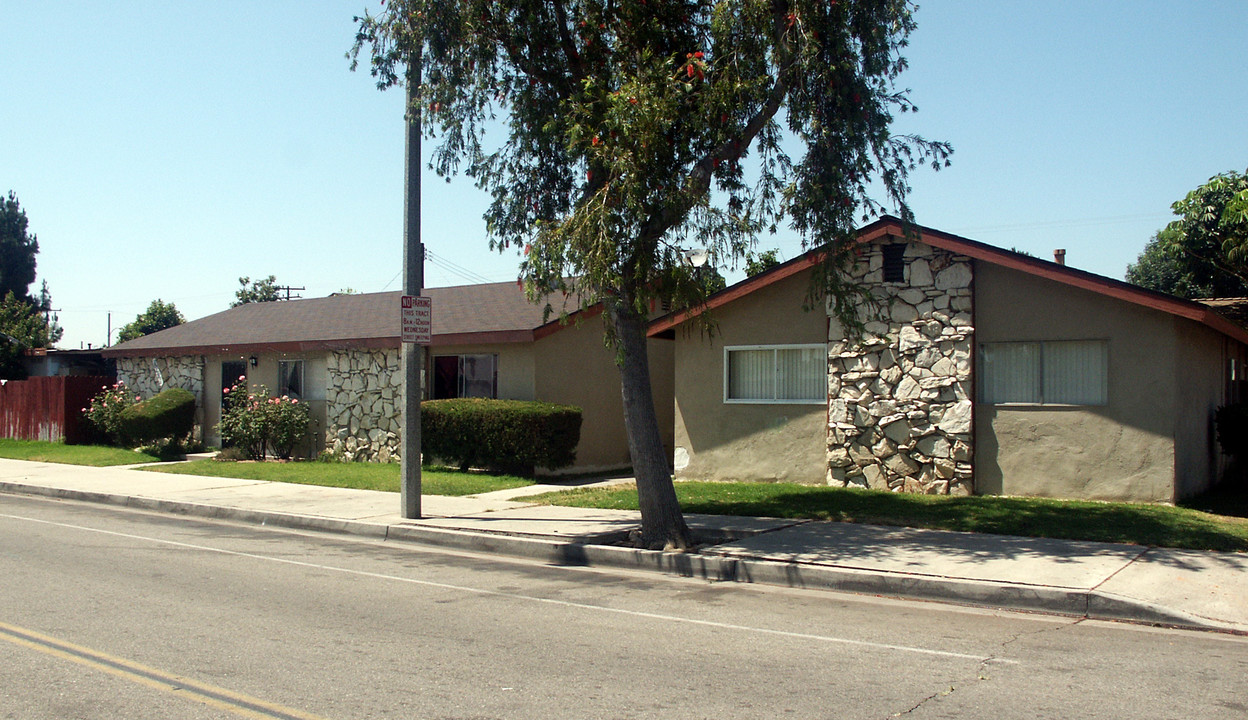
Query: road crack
(981, 674)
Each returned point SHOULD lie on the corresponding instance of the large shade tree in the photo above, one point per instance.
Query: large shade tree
(629, 130)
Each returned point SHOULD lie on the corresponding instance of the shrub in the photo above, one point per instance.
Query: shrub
(104, 414)
(512, 436)
(256, 422)
(1232, 426)
(168, 416)
(288, 422)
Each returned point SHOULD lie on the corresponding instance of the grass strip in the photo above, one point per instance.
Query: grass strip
(1140, 524)
(55, 452)
(361, 476)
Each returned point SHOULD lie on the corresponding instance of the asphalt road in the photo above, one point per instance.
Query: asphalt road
(111, 613)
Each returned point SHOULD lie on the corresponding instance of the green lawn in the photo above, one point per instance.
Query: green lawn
(362, 476)
(94, 455)
(1155, 525)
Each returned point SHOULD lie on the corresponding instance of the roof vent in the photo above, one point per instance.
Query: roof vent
(1059, 256)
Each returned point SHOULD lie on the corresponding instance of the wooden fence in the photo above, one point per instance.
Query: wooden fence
(48, 408)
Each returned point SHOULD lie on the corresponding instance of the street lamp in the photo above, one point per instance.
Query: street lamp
(697, 257)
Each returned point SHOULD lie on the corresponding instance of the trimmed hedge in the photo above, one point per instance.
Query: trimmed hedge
(513, 436)
(171, 415)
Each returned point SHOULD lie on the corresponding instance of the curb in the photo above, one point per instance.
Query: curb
(1071, 602)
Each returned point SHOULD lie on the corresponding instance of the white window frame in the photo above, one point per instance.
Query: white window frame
(729, 349)
(1040, 345)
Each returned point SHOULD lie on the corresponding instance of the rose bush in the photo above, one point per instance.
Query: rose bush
(258, 423)
(105, 412)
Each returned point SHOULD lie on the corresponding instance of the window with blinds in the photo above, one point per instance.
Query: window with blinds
(776, 374)
(1065, 372)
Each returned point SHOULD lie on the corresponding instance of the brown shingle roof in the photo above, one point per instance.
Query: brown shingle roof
(1233, 309)
(497, 312)
(890, 226)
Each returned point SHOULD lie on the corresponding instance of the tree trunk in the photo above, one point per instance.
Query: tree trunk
(662, 524)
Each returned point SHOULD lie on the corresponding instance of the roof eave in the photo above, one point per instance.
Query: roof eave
(889, 226)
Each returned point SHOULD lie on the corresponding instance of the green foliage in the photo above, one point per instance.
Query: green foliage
(1205, 251)
(263, 290)
(158, 316)
(1165, 268)
(53, 332)
(1231, 422)
(631, 128)
(507, 435)
(22, 327)
(170, 416)
(257, 423)
(758, 263)
(106, 413)
(18, 248)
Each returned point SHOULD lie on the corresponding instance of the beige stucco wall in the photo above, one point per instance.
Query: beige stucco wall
(1124, 450)
(515, 366)
(1203, 358)
(265, 373)
(573, 367)
(729, 441)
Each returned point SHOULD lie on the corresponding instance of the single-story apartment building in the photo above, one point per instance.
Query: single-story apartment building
(340, 355)
(981, 370)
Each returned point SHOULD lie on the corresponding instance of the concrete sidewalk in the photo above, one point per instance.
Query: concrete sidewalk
(1183, 588)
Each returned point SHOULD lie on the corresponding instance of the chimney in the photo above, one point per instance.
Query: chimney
(1059, 256)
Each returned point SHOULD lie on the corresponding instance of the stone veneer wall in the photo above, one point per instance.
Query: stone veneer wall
(147, 376)
(899, 400)
(364, 404)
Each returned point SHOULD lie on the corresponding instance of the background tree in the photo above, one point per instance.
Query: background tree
(264, 290)
(158, 316)
(635, 126)
(1204, 253)
(25, 322)
(758, 263)
(51, 321)
(22, 328)
(1163, 268)
(18, 248)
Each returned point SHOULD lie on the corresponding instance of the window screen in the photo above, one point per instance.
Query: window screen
(1049, 373)
(776, 374)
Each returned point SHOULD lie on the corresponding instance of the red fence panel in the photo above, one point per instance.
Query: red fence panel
(48, 408)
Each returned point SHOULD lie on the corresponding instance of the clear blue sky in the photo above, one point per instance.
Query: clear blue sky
(161, 150)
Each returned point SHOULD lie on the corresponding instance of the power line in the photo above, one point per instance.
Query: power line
(456, 269)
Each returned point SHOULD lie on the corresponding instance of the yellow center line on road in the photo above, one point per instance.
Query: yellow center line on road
(176, 685)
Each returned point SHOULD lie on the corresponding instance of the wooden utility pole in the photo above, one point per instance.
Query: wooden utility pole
(412, 354)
